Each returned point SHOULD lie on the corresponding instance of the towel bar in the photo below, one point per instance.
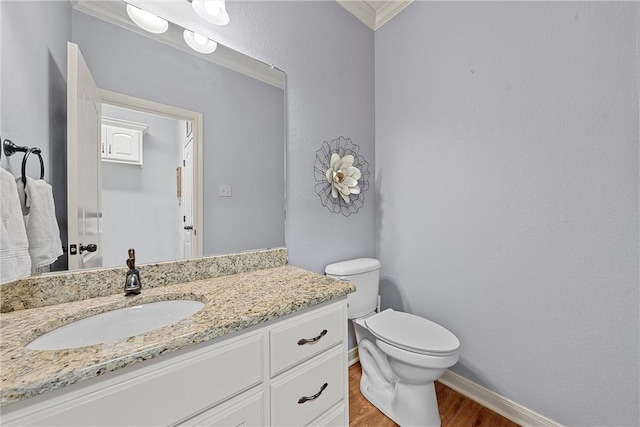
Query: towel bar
(10, 149)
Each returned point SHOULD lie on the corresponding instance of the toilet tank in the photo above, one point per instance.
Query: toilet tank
(364, 274)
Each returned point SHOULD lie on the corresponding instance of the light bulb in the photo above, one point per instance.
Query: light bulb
(199, 38)
(213, 7)
(198, 42)
(213, 11)
(147, 21)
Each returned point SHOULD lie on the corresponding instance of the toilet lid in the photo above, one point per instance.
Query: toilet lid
(412, 333)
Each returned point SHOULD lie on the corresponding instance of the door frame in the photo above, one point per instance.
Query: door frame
(169, 111)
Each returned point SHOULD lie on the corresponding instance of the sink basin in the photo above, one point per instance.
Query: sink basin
(116, 325)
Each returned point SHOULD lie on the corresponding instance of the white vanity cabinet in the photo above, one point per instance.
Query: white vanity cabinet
(273, 374)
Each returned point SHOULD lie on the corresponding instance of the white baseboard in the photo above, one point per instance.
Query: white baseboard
(485, 397)
(352, 356)
(497, 403)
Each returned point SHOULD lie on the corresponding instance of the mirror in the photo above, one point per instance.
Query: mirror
(242, 102)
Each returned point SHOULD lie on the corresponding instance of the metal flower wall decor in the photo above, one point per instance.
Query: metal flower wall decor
(342, 176)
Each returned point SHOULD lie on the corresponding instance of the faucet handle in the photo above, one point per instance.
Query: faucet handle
(131, 262)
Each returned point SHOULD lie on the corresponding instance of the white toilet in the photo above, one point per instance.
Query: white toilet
(401, 354)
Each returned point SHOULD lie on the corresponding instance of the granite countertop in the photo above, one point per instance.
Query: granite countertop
(232, 303)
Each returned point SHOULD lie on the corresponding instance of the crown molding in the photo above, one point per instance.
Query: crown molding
(372, 17)
(360, 10)
(389, 10)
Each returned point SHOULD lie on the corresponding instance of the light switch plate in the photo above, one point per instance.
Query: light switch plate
(225, 190)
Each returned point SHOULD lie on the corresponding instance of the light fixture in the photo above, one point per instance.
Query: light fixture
(198, 42)
(213, 11)
(146, 20)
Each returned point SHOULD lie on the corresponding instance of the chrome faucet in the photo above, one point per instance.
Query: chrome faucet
(132, 284)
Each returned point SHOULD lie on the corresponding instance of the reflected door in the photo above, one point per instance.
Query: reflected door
(187, 196)
(83, 164)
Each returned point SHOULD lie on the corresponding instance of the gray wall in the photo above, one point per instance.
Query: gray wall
(33, 89)
(243, 127)
(139, 204)
(507, 173)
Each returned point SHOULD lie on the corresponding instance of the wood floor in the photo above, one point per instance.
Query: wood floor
(456, 410)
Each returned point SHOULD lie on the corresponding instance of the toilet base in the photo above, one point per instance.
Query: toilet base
(406, 404)
(399, 383)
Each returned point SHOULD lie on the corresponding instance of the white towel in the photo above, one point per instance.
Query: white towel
(15, 261)
(40, 221)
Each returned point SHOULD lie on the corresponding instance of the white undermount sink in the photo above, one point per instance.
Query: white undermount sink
(116, 325)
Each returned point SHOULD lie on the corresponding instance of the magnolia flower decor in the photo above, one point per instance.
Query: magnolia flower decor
(342, 176)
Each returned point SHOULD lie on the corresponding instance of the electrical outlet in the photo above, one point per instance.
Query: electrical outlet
(225, 191)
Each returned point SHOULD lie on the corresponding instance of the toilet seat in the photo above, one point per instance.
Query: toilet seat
(412, 333)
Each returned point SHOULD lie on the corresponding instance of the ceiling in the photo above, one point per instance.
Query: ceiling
(374, 13)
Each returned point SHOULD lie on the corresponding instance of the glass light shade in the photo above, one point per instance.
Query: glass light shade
(198, 42)
(213, 11)
(147, 21)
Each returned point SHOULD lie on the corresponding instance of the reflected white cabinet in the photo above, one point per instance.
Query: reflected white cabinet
(122, 141)
(288, 372)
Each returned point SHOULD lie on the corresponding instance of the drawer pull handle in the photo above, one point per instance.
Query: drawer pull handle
(315, 396)
(304, 341)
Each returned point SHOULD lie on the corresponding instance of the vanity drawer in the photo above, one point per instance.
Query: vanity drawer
(210, 375)
(288, 347)
(308, 380)
(334, 417)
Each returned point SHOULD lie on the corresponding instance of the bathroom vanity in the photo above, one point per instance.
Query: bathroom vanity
(267, 348)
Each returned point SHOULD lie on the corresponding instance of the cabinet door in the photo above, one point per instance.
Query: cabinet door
(244, 410)
(123, 145)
